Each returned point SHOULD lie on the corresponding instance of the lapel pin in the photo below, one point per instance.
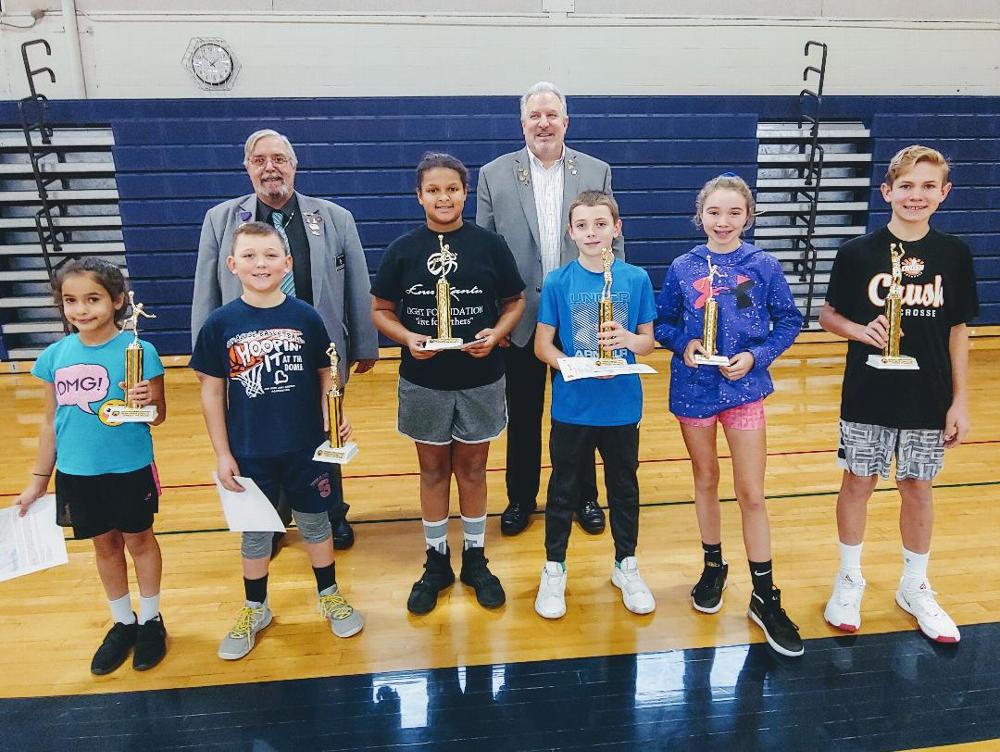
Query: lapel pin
(571, 164)
(523, 175)
(245, 216)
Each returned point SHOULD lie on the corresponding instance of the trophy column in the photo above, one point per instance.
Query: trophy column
(890, 359)
(441, 263)
(710, 327)
(132, 412)
(606, 313)
(334, 449)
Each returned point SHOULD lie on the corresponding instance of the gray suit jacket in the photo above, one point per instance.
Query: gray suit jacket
(505, 204)
(341, 288)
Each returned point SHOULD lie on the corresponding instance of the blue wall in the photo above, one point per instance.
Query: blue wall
(177, 158)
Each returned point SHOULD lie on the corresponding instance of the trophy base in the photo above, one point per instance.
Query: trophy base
(122, 414)
(711, 360)
(337, 455)
(611, 362)
(897, 363)
(451, 343)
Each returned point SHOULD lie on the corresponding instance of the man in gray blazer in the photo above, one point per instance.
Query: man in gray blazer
(329, 268)
(525, 196)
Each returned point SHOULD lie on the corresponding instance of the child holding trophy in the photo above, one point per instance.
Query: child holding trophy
(596, 307)
(105, 477)
(449, 292)
(264, 371)
(902, 395)
(730, 295)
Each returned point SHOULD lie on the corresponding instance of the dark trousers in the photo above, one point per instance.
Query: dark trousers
(572, 450)
(525, 402)
(338, 509)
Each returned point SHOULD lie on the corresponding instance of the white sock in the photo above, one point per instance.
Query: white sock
(121, 609)
(149, 608)
(914, 568)
(474, 531)
(436, 535)
(850, 560)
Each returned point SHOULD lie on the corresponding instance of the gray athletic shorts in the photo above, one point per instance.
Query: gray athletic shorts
(867, 450)
(440, 416)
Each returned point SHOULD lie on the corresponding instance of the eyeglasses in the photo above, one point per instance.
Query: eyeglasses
(280, 160)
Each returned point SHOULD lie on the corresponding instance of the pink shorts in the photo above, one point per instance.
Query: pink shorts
(749, 417)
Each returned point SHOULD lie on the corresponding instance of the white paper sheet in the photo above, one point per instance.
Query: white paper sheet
(248, 511)
(33, 542)
(587, 368)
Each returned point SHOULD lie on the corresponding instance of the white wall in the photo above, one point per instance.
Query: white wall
(293, 48)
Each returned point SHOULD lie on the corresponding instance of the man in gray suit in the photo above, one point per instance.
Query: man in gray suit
(329, 269)
(525, 196)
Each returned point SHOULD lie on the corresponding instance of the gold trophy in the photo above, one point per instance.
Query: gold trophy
(334, 449)
(890, 359)
(439, 264)
(131, 412)
(606, 313)
(710, 328)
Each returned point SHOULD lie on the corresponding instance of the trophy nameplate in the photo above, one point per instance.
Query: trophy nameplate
(606, 313)
(710, 328)
(130, 411)
(439, 264)
(335, 449)
(891, 359)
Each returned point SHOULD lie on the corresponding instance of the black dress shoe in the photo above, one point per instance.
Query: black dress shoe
(591, 517)
(516, 517)
(150, 644)
(343, 535)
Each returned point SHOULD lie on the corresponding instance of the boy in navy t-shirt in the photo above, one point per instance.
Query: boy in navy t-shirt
(594, 413)
(262, 363)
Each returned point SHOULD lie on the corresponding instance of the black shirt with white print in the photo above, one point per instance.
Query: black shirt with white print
(939, 292)
(485, 274)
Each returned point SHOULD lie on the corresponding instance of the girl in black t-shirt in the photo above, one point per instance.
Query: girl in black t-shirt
(451, 402)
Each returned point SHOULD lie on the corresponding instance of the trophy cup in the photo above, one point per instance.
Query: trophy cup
(890, 359)
(439, 264)
(606, 313)
(334, 449)
(711, 325)
(131, 412)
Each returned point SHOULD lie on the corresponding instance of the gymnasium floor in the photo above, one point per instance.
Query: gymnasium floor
(598, 678)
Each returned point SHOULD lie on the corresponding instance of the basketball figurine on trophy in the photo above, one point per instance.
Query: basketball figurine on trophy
(439, 264)
(710, 328)
(132, 412)
(606, 313)
(334, 449)
(890, 359)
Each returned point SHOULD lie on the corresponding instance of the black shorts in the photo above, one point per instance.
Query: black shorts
(309, 486)
(98, 504)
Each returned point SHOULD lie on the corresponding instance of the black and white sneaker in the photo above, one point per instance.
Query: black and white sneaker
(706, 595)
(781, 632)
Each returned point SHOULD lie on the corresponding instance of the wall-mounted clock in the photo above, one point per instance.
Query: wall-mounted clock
(211, 63)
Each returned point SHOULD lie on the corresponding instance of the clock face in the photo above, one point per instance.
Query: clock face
(212, 63)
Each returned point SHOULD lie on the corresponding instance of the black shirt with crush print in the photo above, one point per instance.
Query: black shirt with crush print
(939, 292)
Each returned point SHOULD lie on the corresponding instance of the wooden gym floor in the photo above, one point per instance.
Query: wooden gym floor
(51, 622)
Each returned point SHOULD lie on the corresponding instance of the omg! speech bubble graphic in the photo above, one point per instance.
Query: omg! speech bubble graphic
(80, 385)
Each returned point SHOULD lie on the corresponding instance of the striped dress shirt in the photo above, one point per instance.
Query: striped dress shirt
(547, 185)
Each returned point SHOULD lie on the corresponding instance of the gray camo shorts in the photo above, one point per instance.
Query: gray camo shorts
(865, 450)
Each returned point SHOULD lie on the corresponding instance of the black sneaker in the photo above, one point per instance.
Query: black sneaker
(150, 644)
(438, 575)
(115, 648)
(706, 595)
(489, 591)
(781, 632)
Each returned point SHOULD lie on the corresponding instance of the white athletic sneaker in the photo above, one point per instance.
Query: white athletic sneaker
(843, 610)
(635, 594)
(931, 618)
(550, 603)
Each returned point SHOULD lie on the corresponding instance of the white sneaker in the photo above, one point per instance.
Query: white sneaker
(550, 603)
(243, 636)
(635, 594)
(843, 610)
(931, 618)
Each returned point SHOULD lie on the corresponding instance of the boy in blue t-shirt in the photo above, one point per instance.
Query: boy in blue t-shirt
(589, 414)
(262, 363)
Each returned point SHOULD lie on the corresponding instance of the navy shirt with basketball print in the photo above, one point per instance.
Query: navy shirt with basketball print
(939, 292)
(270, 359)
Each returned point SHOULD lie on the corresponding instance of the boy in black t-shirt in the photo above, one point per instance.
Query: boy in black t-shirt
(452, 403)
(912, 414)
(262, 363)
